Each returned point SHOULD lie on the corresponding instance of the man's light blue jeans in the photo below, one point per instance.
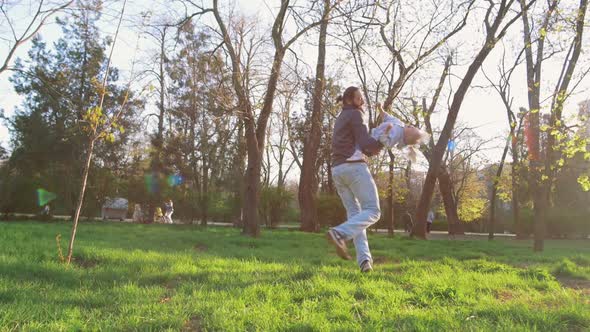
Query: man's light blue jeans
(358, 193)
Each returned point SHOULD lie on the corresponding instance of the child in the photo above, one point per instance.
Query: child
(393, 133)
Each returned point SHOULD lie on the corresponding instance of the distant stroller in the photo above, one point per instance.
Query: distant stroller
(159, 216)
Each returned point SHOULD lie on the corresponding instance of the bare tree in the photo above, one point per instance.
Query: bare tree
(502, 86)
(426, 34)
(494, 17)
(43, 11)
(445, 184)
(411, 36)
(256, 128)
(280, 147)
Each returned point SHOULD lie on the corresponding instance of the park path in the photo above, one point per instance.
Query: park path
(434, 235)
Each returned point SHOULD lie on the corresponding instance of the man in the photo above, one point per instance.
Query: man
(351, 146)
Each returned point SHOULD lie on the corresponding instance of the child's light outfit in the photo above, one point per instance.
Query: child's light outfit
(395, 138)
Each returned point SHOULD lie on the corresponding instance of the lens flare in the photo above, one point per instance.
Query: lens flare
(151, 183)
(44, 196)
(174, 180)
(451, 145)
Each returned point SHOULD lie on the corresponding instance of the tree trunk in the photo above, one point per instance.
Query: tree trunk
(440, 148)
(390, 199)
(80, 199)
(158, 142)
(239, 176)
(308, 179)
(419, 229)
(539, 213)
(495, 182)
(519, 229)
(445, 187)
(330, 178)
(252, 190)
(162, 88)
(205, 194)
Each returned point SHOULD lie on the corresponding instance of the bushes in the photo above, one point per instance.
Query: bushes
(561, 223)
(221, 206)
(330, 210)
(275, 205)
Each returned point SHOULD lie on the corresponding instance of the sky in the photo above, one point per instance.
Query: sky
(482, 109)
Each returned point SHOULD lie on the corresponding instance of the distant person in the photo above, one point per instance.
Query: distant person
(408, 223)
(137, 214)
(429, 221)
(46, 212)
(168, 210)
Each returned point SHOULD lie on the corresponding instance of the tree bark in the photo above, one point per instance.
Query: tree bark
(239, 178)
(519, 229)
(445, 187)
(252, 190)
(390, 199)
(495, 182)
(308, 179)
(205, 194)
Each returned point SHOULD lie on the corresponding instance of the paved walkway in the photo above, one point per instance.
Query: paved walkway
(434, 235)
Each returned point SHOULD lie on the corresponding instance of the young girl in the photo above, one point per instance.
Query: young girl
(351, 175)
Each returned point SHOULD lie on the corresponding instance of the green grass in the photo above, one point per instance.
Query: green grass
(174, 277)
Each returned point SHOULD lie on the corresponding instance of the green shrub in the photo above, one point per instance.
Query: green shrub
(331, 212)
(221, 206)
(562, 223)
(275, 203)
(567, 268)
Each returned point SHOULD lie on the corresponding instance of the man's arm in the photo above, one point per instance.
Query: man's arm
(368, 144)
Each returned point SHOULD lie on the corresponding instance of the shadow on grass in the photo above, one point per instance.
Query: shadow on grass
(112, 251)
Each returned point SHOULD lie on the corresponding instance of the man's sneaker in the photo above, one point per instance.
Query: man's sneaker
(366, 266)
(340, 244)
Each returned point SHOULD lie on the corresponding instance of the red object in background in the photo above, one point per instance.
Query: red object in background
(529, 136)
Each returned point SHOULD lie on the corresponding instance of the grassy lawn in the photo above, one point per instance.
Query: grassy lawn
(175, 277)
